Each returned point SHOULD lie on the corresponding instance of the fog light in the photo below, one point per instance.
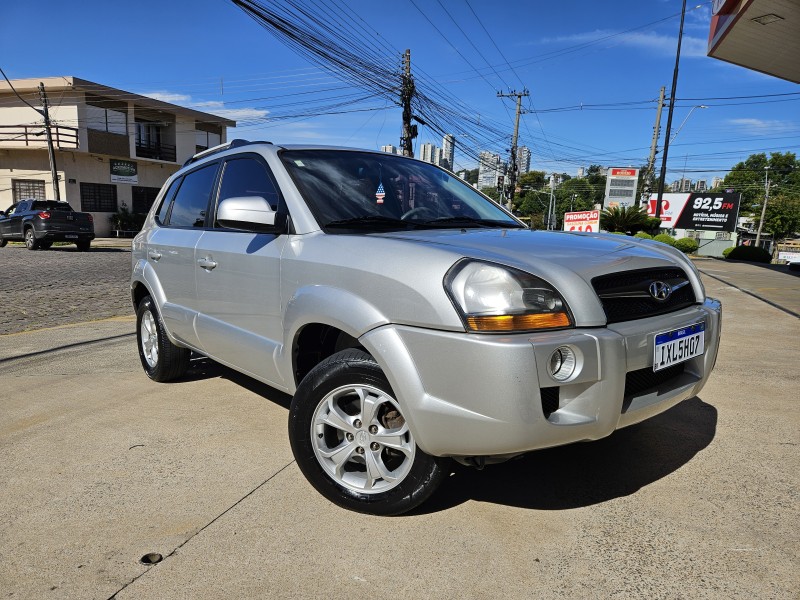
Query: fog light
(562, 363)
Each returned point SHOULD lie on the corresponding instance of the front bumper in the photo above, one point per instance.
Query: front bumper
(477, 395)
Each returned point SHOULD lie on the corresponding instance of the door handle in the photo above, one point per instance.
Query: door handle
(154, 255)
(206, 263)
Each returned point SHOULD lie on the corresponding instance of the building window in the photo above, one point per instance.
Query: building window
(723, 235)
(105, 119)
(98, 197)
(206, 139)
(21, 189)
(143, 198)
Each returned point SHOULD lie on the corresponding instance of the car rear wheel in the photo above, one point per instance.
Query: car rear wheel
(3, 242)
(161, 359)
(352, 442)
(31, 243)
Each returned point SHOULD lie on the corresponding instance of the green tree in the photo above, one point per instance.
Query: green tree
(532, 179)
(749, 178)
(623, 219)
(471, 176)
(782, 218)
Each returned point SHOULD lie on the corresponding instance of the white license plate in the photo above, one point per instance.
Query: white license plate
(678, 345)
(71, 237)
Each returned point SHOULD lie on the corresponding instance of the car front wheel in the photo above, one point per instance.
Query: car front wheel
(161, 359)
(352, 442)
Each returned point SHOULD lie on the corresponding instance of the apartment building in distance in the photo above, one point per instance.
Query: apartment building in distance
(113, 149)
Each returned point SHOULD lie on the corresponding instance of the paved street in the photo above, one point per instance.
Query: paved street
(101, 466)
(61, 285)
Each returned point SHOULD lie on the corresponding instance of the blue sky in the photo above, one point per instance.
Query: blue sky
(208, 54)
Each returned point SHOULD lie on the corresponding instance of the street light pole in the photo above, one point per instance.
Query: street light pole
(678, 130)
(763, 208)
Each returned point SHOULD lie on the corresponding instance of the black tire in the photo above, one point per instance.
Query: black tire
(84, 245)
(31, 243)
(332, 382)
(3, 242)
(45, 245)
(161, 359)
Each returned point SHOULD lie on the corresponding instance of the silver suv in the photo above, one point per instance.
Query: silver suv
(412, 318)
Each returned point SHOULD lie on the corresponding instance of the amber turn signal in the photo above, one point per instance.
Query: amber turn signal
(518, 322)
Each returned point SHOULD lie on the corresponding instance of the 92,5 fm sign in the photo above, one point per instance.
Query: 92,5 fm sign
(698, 212)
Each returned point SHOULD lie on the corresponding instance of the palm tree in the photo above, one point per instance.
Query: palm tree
(627, 219)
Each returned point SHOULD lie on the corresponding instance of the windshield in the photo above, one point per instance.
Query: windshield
(367, 191)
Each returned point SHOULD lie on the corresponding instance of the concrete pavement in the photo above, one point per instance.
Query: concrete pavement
(101, 466)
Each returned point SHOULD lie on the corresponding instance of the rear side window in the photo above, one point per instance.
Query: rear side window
(191, 201)
(248, 177)
(166, 202)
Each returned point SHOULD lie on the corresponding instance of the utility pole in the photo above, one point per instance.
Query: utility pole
(407, 91)
(512, 176)
(46, 114)
(651, 161)
(669, 115)
(763, 208)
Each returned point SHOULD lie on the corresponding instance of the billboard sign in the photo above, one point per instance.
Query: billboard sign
(702, 211)
(621, 187)
(124, 171)
(585, 220)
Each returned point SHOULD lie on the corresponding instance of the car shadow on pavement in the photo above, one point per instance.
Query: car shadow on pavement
(581, 475)
(205, 368)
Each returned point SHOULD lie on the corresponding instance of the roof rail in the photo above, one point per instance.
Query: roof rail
(221, 148)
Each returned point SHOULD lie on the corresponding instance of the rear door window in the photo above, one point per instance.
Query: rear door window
(191, 202)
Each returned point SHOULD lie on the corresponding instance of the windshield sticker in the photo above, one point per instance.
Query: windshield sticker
(299, 163)
(381, 193)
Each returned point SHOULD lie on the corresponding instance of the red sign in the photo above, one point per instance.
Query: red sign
(623, 172)
(586, 220)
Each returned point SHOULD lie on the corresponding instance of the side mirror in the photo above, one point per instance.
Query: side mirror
(251, 213)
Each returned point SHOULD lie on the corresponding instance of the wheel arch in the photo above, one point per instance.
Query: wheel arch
(320, 321)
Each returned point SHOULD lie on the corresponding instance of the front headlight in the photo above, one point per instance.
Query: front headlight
(494, 298)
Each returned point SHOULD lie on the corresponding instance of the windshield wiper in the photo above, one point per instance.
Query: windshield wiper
(369, 222)
(461, 221)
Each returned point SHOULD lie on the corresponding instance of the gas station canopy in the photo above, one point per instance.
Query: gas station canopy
(762, 35)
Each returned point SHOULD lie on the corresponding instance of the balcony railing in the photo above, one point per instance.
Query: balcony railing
(156, 151)
(35, 136)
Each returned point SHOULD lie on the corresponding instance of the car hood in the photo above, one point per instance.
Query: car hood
(568, 261)
(592, 254)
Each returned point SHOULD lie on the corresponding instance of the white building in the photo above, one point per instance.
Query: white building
(390, 149)
(523, 159)
(448, 152)
(429, 153)
(682, 185)
(113, 149)
(701, 185)
(489, 170)
(716, 182)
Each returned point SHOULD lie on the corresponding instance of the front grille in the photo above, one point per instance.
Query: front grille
(625, 295)
(549, 400)
(638, 381)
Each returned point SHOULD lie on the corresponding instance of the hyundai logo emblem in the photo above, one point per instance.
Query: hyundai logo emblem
(660, 291)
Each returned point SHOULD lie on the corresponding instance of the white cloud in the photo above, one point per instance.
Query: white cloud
(167, 96)
(762, 126)
(237, 114)
(660, 43)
